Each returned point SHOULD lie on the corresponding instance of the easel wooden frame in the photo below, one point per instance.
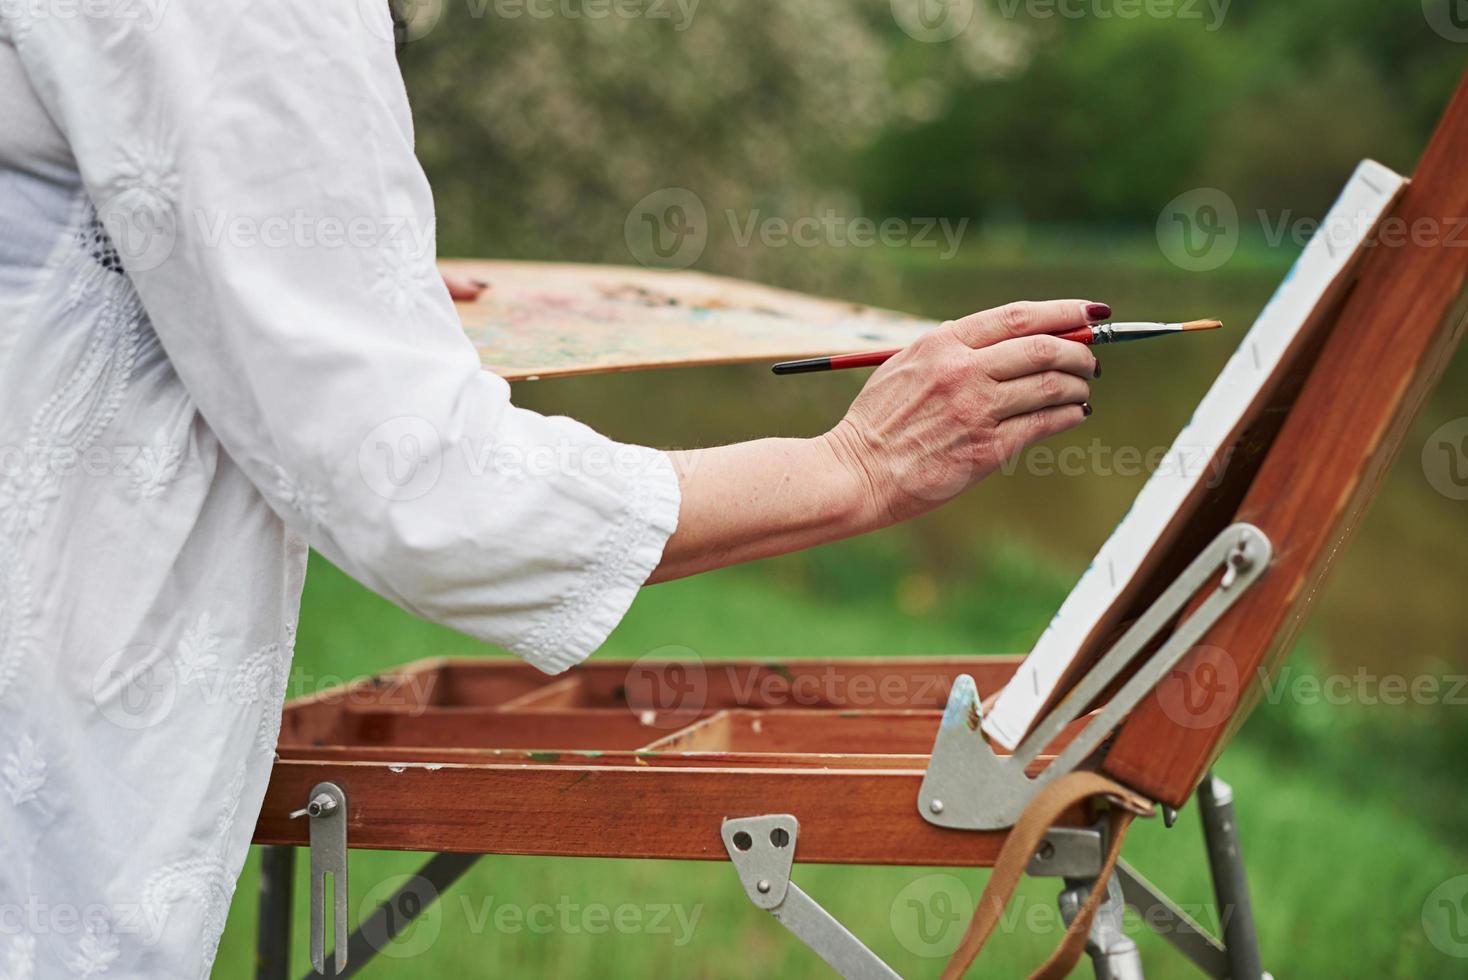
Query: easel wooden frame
(487, 757)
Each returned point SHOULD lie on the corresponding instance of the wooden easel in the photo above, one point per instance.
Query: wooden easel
(850, 761)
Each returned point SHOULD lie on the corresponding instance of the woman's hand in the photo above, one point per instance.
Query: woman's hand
(463, 289)
(950, 409)
(930, 423)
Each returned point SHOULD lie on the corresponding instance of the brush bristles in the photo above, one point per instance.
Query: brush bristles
(1202, 324)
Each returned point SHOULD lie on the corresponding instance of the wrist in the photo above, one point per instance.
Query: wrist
(850, 458)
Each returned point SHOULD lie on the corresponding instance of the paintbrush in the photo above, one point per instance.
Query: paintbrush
(1101, 333)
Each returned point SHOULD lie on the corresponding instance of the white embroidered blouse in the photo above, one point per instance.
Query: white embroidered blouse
(223, 339)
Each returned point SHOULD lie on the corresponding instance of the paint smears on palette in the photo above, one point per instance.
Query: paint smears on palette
(543, 320)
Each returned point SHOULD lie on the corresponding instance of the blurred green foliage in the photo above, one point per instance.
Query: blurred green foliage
(1108, 118)
(541, 132)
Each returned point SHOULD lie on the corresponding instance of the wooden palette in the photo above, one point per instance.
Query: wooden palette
(542, 320)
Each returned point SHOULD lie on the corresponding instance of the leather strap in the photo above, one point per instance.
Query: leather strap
(1047, 806)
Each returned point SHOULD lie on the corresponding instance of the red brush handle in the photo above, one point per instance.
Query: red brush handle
(869, 359)
(1081, 335)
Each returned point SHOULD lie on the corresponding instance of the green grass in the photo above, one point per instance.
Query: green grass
(1345, 835)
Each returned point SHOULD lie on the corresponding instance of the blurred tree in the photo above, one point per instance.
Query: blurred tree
(542, 133)
(542, 125)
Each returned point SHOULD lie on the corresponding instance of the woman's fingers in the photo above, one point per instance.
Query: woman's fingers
(463, 289)
(1037, 391)
(960, 400)
(1023, 319)
(1018, 433)
(1022, 356)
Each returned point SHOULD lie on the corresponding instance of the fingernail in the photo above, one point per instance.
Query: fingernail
(480, 283)
(1097, 311)
(1097, 372)
(1086, 409)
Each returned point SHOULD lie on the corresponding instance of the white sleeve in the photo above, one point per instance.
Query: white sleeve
(253, 163)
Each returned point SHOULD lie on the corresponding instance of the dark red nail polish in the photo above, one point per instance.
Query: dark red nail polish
(1097, 311)
(1097, 373)
(1086, 409)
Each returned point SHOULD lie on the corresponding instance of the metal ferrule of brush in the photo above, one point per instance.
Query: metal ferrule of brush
(1115, 333)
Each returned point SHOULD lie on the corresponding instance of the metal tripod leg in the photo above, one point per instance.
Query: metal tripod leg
(273, 937)
(1230, 882)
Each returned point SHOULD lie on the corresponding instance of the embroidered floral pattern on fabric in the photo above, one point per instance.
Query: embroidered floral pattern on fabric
(198, 651)
(405, 273)
(76, 414)
(23, 771)
(99, 265)
(205, 883)
(138, 208)
(65, 426)
(95, 951)
(301, 497)
(227, 813)
(201, 883)
(24, 499)
(154, 467)
(261, 680)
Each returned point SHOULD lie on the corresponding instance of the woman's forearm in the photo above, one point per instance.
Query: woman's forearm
(759, 499)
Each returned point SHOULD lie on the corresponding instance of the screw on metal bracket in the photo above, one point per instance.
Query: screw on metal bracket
(318, 807)
(327, 812)
(1240, 560)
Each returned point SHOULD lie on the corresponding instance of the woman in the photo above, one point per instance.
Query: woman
(224, 341)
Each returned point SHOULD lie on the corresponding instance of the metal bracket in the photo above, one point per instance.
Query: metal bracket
(969, 787)
(763, 852)
(1069, 852)
(327, 813)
